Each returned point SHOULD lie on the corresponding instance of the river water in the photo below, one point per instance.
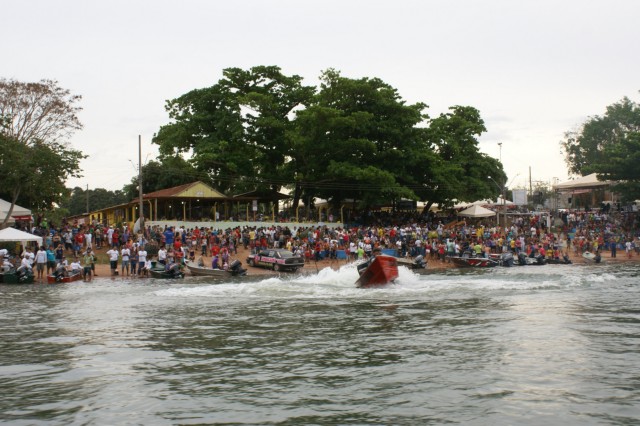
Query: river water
(555, 344)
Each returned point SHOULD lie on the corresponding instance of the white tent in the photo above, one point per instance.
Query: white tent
(487, 202)
(584, 182)
(12, 234)
(17, 211)
(477, 211)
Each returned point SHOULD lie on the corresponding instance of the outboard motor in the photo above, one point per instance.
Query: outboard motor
(507, 259)
(566, 259)
(237, 269)
(522, 259)
(419, 263)
(174, 270)
(540, 260)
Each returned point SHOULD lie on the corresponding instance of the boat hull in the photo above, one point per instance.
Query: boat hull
(473, 262)
(380, 271)
(161, 273)
(201, 271)
(52, 279)
(13, 277)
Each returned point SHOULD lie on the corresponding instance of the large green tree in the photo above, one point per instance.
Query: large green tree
(35, 173)
(167, 172)
(349, 139)
(462, 173)
(235, 130)
(609, 145)
(355, 141)
(35, 121)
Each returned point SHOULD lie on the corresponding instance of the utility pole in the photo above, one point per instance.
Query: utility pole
(87, 198)
(140, 215)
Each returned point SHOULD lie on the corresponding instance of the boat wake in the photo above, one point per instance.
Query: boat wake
(330, 283)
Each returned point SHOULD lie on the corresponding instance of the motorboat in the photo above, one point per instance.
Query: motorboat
(592, 257)
(235, 269)
(170, 272)
(473, 262)
(64, 278)
(17, 276)
(418, 263)
(378, 271)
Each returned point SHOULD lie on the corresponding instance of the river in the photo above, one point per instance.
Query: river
(535, 345)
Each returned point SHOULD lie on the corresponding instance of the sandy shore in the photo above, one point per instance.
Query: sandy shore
(103, 271)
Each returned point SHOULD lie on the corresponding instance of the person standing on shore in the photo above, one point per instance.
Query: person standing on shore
(51, 260)
(142, 260)
(125, 253)
(113, 260)
(41, 262)
(87, 264)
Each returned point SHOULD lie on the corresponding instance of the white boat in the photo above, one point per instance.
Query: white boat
(593, 257)
(235, 269)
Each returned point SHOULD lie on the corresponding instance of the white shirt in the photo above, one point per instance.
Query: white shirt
(162, 254)
(125, 252)
(25, 262)
(113, 255)
(142, 256)
(75, 266)
(41, 256)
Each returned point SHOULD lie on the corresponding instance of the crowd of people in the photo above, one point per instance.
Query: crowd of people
(435, 238)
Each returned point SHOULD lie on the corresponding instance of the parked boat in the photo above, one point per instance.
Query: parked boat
(17, 276)
(174, 271)
(235, 269)
(592, 257)
(418, 264)
(380, 270)
(60, 278)
(503, 259)
(473, 262)
(564, 261)
(524, 260)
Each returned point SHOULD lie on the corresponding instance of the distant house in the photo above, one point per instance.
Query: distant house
(584, 192)
(195, 202)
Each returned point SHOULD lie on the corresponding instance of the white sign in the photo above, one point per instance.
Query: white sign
(519, 197)
(255, 205)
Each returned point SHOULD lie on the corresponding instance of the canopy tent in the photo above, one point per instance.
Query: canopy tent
(487, 202)
(17, 213)
(477, 211)
(12, 234)
(585, 182)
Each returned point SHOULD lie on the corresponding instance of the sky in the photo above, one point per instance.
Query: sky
(535, 69)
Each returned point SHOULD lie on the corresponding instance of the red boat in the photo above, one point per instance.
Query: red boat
(474, 262)
(52, 279)
(379, 271)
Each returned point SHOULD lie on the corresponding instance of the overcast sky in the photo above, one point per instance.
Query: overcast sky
(534, 69)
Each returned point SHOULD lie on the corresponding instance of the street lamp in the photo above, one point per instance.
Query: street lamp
(504, 210)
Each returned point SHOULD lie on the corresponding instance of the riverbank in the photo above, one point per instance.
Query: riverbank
(103, 270)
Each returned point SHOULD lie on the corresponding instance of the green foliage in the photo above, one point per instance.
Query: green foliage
(34, 175)
(168, 172)
(351, 139)
(609, 146)
(35, 121)
(236, 129)
(76, 202)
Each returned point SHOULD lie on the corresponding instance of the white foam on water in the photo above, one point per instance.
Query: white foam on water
(328, 283)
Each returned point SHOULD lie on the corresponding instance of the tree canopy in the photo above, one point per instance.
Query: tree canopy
(609, 145)
(348, 139)
(35, 162)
